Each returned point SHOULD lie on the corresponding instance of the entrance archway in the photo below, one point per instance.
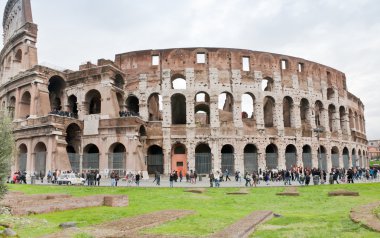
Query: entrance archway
(116, 158)
(155, 159)
(250, 158)
(90, 157)
(22, 157)
(40, 159)
(346, 163)
(322, 162)
(271, 156)
(203, 159)
(290, 156)
(306, 157)
(179, 158)
(335, 157)
(228, 159)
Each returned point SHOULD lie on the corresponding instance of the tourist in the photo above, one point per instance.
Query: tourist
(247, 179)
(171, 179)
(216, 179)
(211, 177)
(227, 174)
(112, 176)
(137, 179)
(180, 176)
(98, 177)
(255, 178)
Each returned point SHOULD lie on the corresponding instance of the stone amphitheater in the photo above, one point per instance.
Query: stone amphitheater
(175, 109)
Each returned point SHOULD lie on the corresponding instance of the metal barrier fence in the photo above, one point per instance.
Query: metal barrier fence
(40, 163)
(271, 160)
(346, 162)
(323, 161)
(116, 161)
(90, 161)
(22, 161)
(203, 163)
(155, 163)
(290, 160)
(335, 160)
(307, 160)
(250, 162)
(74, 162)
(228, 162)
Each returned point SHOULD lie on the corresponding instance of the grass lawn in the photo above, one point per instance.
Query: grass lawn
(312, 214)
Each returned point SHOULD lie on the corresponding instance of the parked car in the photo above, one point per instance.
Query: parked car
(69, 179)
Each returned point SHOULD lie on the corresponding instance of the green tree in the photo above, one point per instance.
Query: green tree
(6, 151)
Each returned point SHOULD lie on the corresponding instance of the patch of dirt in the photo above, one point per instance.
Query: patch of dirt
(289, 191)
(343, 193)
(195, 190)
(365, 215)
(126, 227)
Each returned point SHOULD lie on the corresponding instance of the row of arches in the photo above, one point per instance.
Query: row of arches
(203, 157)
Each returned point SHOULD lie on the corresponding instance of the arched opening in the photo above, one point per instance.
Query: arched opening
(318, 112)
(25, 105)
(330, 94)
(178, 105)
(250, 158)
(305, 116)
(335, 157)
(132, 104)
(353, 158)
(73, 105)
(269, 106)
(332, 117)
(271, 156)
(117, 158)
(346, 163)
(178, 81)
(287, 108)
(342, 119)
(90, 157)
(351, 117)
(225, 106)
(56, 92)
(73, 139)
(155, 107)
(228, 159)
(120, 101)
(306, 157)
(119, 81)
(357, 128)
(40, 159)
(155, 159)
(22, 157)
(202, 109)
(179, 158)
(360, 159)
(11, 107)
(203, 159)
(93, 99)
(267, 84)
(290, 156)
(18, 56)
(248, 103)
(322, 160)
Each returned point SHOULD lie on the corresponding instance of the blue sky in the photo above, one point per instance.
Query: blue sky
(342, 34)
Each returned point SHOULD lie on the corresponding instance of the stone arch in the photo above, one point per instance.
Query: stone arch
(155, 107)
(179, 157)
(155, 159)
(228, 158)
(25, 105)
(360, 159)
(331, 111)
(346, 154)
(330, 93)
(290, 156)
(305, 115)
(133, 105)
(203, 158)
(250, 158)
(322, 159)
(226, 107)
(93, 99)
(287, 111)
(120, 101)
(335, 157)
(22, 157)
(353, 158)
(73, 139)
(202, 108)
(342, 119)
(269, 108)
(267, 84)
(117, 158)
(73, 105)
(248, 102)
(271, 156)
(307, 157)
(178, 106)
(178, 81)
(40, 159)
(318, 112)
(119, 81)
(18, 55)
(12, 106)
(90, 157)
(56, 89)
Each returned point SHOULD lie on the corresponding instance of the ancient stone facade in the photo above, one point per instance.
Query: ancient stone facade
(176, 109)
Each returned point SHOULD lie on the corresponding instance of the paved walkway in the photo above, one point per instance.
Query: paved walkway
(204, 183)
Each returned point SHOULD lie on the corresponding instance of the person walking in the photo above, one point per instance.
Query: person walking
(180, 176)
(211, 176)
(227, 174)
(98, 177)
(171, 179)
(247, 179)
(137, 179)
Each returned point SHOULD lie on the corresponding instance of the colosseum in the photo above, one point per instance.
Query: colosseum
(175, 109)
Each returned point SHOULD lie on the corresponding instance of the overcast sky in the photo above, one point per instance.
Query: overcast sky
(343, 34)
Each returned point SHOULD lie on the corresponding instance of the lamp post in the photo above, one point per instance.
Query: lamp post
(319, 130)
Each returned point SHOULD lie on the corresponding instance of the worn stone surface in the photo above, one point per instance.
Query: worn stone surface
(364, 214)
(66, 225)
(245, 226)
(289, 191)
(343, 193)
